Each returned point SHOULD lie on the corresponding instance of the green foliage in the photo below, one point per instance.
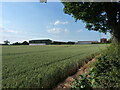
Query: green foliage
(107, 69)
(42, 66)
(103, 17)
(97, 16)
(106, 72)
(6, 42)
(25, 43)
(17, 43)
(81, 83)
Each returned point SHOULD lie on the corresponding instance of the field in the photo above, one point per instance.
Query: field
(43, 66)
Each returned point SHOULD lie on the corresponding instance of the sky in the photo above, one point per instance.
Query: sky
(24, 21)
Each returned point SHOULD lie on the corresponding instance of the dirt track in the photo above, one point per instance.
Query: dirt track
(66, 84)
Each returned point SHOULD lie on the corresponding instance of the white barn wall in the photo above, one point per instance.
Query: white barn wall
(37, 44)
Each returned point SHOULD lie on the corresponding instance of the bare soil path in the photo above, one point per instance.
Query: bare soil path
(66, 84)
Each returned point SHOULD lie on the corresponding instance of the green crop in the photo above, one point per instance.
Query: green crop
(42, 66)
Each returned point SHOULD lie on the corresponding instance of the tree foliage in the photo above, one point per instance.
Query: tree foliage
(25, 43)
(6, 42)
(103, 16)
(17, 43)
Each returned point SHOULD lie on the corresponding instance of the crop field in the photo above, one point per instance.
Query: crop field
(43, 66)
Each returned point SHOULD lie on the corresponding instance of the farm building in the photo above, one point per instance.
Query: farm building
(103, 40)
(58, 43)
(40, 42)
(84, 42)
(62, 43)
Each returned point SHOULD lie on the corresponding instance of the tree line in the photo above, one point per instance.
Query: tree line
(6, 42)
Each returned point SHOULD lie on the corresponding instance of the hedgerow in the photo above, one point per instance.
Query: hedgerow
(105, 73)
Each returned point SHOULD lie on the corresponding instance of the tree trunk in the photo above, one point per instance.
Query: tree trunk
(116, 35)
(114, 23)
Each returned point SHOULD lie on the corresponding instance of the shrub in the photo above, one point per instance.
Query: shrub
(105, 73)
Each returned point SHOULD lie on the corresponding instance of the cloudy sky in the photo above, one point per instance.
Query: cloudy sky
(33, 20)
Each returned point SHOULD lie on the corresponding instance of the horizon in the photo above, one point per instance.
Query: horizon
(23, 21)
(53, 40)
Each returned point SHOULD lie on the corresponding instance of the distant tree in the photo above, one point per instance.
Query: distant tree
(58, 43)
(95, 42)
(103, 17)
(6, 42)
(17, 43)
(25, 43)
(70, 42)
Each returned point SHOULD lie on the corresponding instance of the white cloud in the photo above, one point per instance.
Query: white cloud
(15, 37)
(54, 30)
(60, 22)
(12, 31)
(4, 30)
(80, 30)
(57, 30)
(9, 31)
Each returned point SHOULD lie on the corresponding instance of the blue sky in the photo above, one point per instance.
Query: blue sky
(34, 20)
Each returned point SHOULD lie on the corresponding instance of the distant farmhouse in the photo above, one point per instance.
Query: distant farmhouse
(103, 40)
(40, 42)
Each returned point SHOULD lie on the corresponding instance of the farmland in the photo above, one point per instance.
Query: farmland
(43, 66)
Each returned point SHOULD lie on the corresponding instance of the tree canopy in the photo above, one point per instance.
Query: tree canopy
(99, 16)
(6, 42)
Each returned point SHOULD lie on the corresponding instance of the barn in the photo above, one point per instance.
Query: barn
(103, 40)
(40, 42)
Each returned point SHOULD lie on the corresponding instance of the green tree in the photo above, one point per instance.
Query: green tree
(99, 16)
(25, 43)
(17, 43)
(6, 42)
